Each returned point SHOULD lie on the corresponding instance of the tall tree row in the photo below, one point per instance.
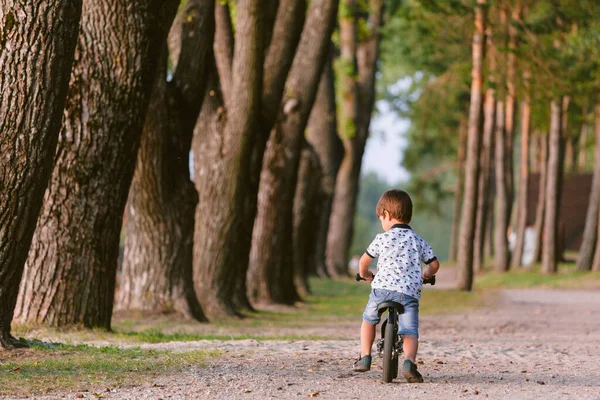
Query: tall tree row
(37, 45)
(159, 219)
(357, 68)
(70, 272)
(270, 275)
(469, 206)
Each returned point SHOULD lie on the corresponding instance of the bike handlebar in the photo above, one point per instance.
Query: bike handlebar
(430, 281)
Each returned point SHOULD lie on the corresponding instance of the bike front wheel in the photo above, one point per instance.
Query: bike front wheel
(390, 361)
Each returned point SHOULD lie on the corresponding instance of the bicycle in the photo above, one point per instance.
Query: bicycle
(389, 346)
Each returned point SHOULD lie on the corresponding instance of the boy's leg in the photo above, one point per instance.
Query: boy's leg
(409, 330)
(367, 336)
(410, 347)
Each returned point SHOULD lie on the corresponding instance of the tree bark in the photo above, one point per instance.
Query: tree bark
(159, 223)
(70, 274)
(523, 180)
(485, 165)
(458, 193)
(469, 206)
(588, 243)
(270, 274)
(358, 59)
(322, 134)
(541, 202)
(214, 165)
(550, 240)
(307, 210)
(222, 146)
(37, 45)
(511, 102)
(501, 252)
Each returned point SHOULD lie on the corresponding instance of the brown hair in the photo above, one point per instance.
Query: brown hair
(397, 203)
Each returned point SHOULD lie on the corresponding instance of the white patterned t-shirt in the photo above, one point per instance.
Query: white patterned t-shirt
(400, 252)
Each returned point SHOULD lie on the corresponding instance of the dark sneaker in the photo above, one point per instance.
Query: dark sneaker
(363, 364)
(409, 371)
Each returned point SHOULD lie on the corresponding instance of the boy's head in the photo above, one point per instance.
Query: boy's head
(397, 204)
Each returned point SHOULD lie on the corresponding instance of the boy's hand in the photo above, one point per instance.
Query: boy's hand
(368, 276)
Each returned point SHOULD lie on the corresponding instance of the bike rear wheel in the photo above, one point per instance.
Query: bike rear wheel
(390, 361)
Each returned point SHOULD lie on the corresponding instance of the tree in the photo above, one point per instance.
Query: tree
(37, 45)
(229, 143)
(357, 68)
(70, 274)
(322, 134)
(486, 162)
(458, 194)
(270, 276)
(159, 223)
(469, 208)
(552, 189)
(308, 201)
(590, 232)
(523, 176)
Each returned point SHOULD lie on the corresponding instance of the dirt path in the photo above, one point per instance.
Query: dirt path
(533, 344)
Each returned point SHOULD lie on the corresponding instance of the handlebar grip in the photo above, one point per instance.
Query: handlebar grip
(431, 281)
(358, 277)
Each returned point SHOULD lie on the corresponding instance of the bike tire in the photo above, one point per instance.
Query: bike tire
(388, 354)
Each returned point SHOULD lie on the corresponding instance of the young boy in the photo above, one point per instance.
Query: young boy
(399, 278)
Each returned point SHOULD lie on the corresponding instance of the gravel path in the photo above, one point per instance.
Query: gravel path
(533, 344)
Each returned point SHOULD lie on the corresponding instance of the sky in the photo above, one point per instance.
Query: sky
(383, 152)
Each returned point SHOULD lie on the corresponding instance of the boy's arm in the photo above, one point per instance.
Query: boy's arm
(431, 269)
(363, 267)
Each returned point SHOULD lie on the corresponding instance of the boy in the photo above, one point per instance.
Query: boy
(399, 278)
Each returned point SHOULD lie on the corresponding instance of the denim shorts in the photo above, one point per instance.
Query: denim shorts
(409, 321)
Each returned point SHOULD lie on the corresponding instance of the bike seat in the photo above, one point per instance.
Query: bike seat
(381, 307)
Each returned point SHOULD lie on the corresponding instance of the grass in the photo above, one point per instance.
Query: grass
(47, 367)
(567, 277)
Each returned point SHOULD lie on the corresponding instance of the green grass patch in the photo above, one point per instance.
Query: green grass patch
(327, 313)
(47, 367)
(567, 277)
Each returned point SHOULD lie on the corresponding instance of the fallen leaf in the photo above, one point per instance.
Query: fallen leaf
(315, 394)
(247, 390)
(309, 370)
(524, 372)
(541, 382)
(79, 396)
(18, 369)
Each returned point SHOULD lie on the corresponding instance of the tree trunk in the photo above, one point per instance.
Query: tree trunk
(501, 254)
(583, 139)
(458, 193)
(70, 274)
(469, 206)
(270, 274)
(159, 224)
(37, 44)
(511, 101)
(523, 182)
(588, 243)
(550, 242)
(321, 133)
(357, 101)
(215, 166)
(485, 165)
(541, 202)
(222, 146)
(307, 212)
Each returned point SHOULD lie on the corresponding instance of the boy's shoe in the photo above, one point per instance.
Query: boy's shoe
(409, 371)
(363, 364)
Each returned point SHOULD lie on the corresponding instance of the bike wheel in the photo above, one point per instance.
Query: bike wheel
(389, 360)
